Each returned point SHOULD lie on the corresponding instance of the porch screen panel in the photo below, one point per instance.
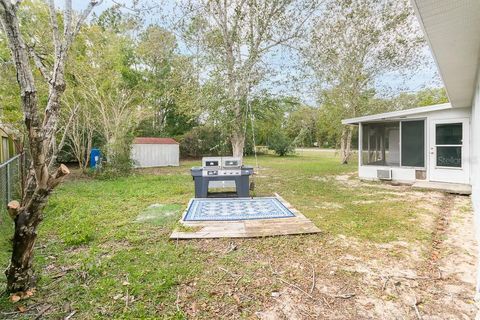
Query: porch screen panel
(413, 143)
(380, 144)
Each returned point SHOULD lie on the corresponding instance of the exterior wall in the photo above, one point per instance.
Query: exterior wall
(475, 148)
(475, 165)
(155, 155)
(405, 174)
(398, 174)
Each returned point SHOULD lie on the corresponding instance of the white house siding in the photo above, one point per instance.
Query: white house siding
(475, 163)
(155, 155)
(403, 174)
(398, 174)
(475, 147)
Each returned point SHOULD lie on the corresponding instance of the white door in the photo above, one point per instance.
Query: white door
(449, 151)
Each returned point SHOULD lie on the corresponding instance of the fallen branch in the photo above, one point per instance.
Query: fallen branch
(415, 306)
(385, 283)
(59, 275)
(127, 298)
(238, 280)
(298, 288)
(228, 272)
(232, 247)
(40, 314)
(313, 279)
(10, 313)
(221, 278)
(345, 296)
(18, 312)
(413, 278)
(327, 303)
(177, 301)
(70, 315)
(233, 275)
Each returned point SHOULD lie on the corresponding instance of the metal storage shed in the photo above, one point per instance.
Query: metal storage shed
(155, 152)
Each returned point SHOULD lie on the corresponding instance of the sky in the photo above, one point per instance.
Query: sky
(287, 79)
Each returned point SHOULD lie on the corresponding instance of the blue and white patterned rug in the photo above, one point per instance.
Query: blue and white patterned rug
(229, 209)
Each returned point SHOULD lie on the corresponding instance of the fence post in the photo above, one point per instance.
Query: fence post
(8, 184)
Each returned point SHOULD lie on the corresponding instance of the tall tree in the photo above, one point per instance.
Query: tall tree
(107, 96)
(235, 39)
(42, 178)
(355, 42)
(169, 82)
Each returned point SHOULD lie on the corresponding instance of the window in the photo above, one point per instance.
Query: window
(448, 133)
(448, 142)
(413, 143)
(381, 144)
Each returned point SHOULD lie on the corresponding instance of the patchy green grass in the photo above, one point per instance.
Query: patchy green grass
(103, 249)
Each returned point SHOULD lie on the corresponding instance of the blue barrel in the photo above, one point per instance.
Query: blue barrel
(95, 158)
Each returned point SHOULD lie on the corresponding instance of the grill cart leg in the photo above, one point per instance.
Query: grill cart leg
(243, 186)
(204, 188)
(201, 187)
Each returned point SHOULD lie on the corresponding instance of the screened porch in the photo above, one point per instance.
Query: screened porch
(393, 143)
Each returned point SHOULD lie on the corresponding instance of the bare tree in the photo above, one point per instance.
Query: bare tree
(118, 112)
(236, 38)
(78, 131)
(41, 180)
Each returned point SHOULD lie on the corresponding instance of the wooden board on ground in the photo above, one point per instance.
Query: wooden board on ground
(247, 228)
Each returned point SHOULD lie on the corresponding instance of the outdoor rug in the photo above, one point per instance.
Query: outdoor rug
(241, 218)
(229, 209)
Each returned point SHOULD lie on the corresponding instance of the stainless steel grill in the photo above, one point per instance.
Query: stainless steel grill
(221, 169)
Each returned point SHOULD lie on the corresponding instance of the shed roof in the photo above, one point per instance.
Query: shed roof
(397, 114)
(153, 140)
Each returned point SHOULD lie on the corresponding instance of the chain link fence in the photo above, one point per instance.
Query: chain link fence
(10, 181)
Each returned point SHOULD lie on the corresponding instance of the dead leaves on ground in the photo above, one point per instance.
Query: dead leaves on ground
(21, 295)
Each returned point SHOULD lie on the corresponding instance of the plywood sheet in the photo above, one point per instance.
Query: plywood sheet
(298, 224)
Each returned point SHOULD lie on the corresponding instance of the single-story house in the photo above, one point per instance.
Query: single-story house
(155, 152)
(427, 143)
(452, 30)
(438, 143)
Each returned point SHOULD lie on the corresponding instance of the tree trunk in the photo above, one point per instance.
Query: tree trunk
(89, 150)
(345, 144)
(20, 275)
(238, 143)
(40, 182)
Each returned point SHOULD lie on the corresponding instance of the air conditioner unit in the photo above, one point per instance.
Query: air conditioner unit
(384, 174)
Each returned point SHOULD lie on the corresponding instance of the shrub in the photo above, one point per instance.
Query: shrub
(280, 144)
(203, 141)
(119, 162)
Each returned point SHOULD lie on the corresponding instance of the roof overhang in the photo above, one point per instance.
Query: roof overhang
(398, 115)
(452, 29)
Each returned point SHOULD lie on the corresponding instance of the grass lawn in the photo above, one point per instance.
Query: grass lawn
(95, 258)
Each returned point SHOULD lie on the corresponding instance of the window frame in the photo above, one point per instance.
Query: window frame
(462, 146)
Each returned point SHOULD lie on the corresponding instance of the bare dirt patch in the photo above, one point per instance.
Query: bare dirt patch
(339, 277)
